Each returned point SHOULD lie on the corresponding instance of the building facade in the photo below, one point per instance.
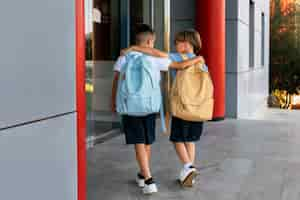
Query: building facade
(44, 113)
(38, 140)
(247, 57)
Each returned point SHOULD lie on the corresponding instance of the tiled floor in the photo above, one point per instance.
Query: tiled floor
(239, 160)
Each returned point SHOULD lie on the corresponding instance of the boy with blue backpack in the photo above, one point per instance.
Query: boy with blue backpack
(137, 97)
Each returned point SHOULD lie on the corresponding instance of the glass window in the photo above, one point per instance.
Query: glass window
(106, 37)
(136, 17)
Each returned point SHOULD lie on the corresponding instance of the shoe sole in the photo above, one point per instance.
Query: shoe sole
(150, 192)
(188, 181)
(139, 183)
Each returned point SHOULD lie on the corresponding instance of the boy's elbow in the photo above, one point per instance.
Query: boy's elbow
(163, 55)
(177, 65)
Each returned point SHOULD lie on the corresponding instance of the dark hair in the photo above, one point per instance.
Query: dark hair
(191, 36)
(141, 33)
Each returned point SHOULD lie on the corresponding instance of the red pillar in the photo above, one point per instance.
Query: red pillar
(210, 22)
(80, 100)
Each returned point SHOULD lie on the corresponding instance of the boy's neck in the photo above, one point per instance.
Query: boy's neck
(143, 45)
(187, 52)
(190, 50)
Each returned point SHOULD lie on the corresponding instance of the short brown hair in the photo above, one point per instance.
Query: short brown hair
(141, 33)
(192, 36)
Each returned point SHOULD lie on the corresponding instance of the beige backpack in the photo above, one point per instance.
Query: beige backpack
(191, 95)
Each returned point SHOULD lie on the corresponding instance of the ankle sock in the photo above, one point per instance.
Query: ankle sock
(140, 176)
(149, 181)
(187, 166)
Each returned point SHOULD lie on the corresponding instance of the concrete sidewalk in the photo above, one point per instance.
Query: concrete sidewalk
(238, 160)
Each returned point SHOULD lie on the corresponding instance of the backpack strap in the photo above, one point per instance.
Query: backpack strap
(162, 116)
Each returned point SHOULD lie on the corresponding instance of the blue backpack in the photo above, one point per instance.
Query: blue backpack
(139, 92)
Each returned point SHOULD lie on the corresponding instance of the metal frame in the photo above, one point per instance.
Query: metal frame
(125, 23)
(80, 100)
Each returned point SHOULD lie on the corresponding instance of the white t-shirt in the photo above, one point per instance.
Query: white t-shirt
(161, 64)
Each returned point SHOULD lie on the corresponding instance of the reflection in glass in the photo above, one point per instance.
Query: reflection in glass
(103, 38)
(102, 49)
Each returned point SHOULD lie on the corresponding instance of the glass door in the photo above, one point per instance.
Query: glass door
(109, 25)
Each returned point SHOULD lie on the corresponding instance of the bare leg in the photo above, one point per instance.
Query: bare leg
(142, 159)
(148, 150)
(190, 147)
(182, 152)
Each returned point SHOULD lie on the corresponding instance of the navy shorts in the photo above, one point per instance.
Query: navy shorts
(139, 130)
(185, 131)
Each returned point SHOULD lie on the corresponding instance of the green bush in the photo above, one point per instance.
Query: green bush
(285, 48)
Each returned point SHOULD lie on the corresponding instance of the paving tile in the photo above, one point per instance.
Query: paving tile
(238, 160)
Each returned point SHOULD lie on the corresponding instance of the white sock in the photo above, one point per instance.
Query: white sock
(186, 166)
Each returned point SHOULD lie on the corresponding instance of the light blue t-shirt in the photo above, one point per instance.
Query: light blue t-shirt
(160, 64)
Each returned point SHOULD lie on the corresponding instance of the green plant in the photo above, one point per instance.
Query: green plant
(285, 48)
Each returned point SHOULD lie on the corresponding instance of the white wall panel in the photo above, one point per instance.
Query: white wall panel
(243, 10)
(252, 92)
(38, 161)
(243, 47)
(37, 59)
(246, 88)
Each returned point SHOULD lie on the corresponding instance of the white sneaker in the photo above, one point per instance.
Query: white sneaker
(150, 188)
(140, 180)
(187, 176)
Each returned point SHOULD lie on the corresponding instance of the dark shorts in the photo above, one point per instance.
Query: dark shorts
(185, 131)
(139, 130)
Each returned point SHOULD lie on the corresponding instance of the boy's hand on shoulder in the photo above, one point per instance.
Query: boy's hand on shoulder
(127, 50)
(201, 59)
(123, 52)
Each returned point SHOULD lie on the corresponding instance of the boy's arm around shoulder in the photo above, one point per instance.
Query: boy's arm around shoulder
(150, 51)
(186, 63)
(114, 90)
